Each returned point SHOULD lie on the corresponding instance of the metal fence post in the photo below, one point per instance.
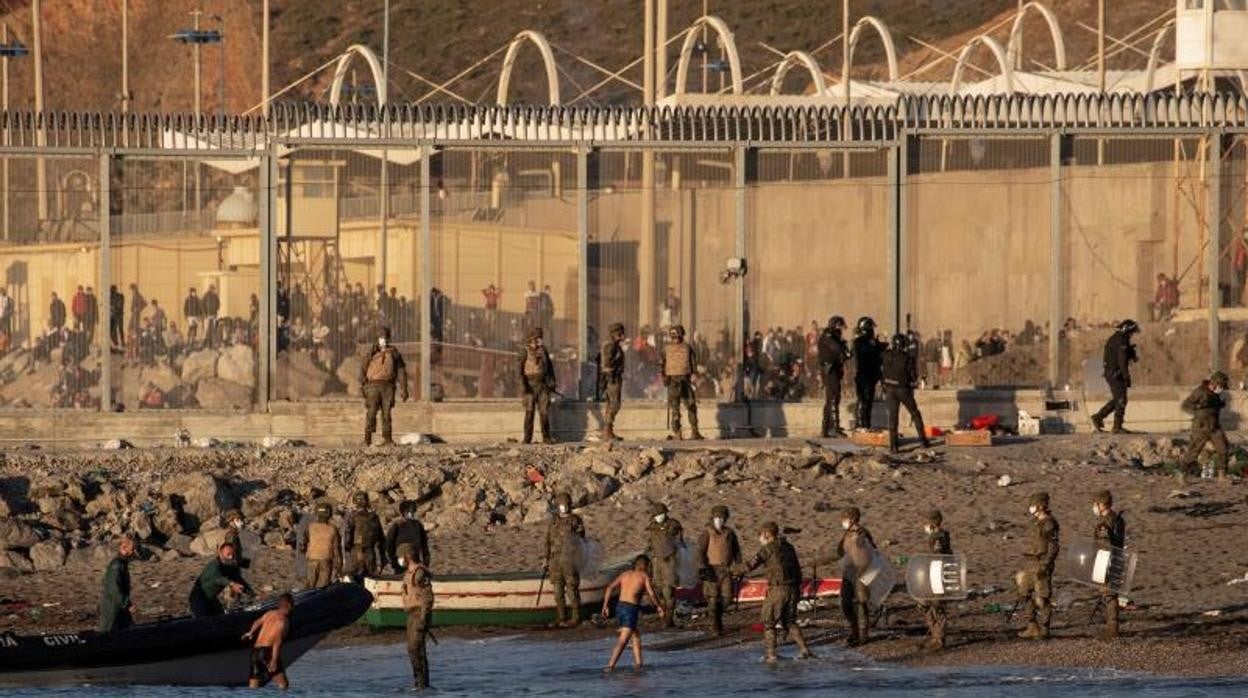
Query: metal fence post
(587, 378)
(1057, 279)
(268, 278)
(1214, 249)
(426, 279)
(103, 333)
(897, 163)
(742, 327)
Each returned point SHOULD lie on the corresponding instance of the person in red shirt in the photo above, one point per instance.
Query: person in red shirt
(79, 306)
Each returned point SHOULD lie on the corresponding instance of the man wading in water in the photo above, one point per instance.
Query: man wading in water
(269, 631)
(632, 584)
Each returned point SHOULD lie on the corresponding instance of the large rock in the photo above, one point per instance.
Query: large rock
(17, 534)
(238, 365)
(33, 389)
(299, 378)
(92, 557)
(203, 496)
(199, 365)
(349, 373)
(207, 543)
(16, 561)
(218, 394)
(48, 555)
(160, 376)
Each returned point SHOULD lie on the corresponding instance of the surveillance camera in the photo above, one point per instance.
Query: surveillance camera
(735, 266)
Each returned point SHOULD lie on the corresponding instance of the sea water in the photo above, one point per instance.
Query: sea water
(516, 665)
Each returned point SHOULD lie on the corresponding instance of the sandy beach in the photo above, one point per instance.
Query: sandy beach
(1188, 616)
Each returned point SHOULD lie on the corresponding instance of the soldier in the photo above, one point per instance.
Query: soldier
(363, 540)
(381, 372)
(869, 357)
(116, 606)
(537, 377)
(233, 520)
(1111, 529)
(784, 584)
(1035, 581)
(1206, 403)
(719, 552)
(322, 549)
(677, 366)
(858, 548)
(418, 602)
(611, 379)
(564, 540)
(1119, 355)
(833, 353)
(934, 612)
(899, 381)
(664, 539)
(407, 532)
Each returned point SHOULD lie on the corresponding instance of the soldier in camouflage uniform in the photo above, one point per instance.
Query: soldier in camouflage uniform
(664, 539)
(564, 540)
(1035, 580)
(537, 379)
(857, 547)
(1111, 529)
(611, 379)
(363, 540)
(719, 552)
(1205, 404)
(934, 612)
(784, 584)
(677, 364)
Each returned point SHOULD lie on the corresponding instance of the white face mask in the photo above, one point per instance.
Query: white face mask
(563, 508)
(762, 540)
(717, 522)
(1032, 510)
(660, 518)
(845, 525)
(381, 342)
(930, 530)
(1096, 511)
(237, 524)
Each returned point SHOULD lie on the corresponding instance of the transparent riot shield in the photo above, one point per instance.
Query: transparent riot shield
(1100, 565)
(880, 577)
(936, 577)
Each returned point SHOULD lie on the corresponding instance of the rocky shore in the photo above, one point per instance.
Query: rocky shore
(486, 508)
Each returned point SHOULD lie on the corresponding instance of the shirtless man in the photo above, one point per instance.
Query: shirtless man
(632, 585)
(269, 631)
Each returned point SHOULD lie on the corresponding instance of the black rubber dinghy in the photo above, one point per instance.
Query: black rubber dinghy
(179, 652)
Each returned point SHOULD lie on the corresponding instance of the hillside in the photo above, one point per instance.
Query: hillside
(438, 39)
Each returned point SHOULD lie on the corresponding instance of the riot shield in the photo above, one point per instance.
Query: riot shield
(880, 578)
(588, 557)
(1099, 564)
(936, 577)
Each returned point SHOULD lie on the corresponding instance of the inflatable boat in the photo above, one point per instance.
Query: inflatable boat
(179, 652)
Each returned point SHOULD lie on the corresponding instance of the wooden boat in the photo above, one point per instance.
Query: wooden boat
(178, 652)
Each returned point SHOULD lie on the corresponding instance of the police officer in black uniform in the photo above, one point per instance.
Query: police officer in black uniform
(1119, 355)
(833, 352)
(869, 357)
(900, 377)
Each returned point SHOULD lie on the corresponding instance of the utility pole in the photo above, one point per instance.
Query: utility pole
(646, 249)
(41, 134)
(384, 207)
(125, 56)
(264, 60)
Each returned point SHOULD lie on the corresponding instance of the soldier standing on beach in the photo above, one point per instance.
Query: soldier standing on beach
(719, 552)
(565, 538)
(934, 612)
(1035, 581)
(381, 373)
(664, 539)
(784, 584)
(857, 548)
(611, 379)
(322, 549)
(1111, 530)
(537, 378)
(677, 365)
(364, 540)
(1205, 405)
(418, 602)
(116, 607)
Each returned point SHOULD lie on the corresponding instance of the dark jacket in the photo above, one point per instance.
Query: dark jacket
(210, 303)
(1205, 407)
(217, 576)
(547, 367)
(1112, 529)
(611, 360)
(191, 306)
(1119, 353)
(779, 559)
(115, 601)
(899, 370)
(363, 532)
(411, 533)
(833, 352)
(56, 313)
(869, 353)
(938, 543)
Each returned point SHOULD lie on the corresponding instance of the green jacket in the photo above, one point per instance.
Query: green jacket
(115, 601)
(216, 577)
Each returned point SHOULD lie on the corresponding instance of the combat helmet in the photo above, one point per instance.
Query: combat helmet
(1104, 498)
(657, 508)
(836, 322)
(1040, 500)
(1220, 380)
(852, 514)
(719, 511)
(565, 499)
(360, 500)
(407, 508)
(866, 324)
(1128, 327)
(323, 511)
(616, 327)
(934, 517)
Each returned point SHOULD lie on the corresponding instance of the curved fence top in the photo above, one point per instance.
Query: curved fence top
(293, 124)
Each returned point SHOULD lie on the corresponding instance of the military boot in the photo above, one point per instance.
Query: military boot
(368, 438)
(1032, 631)
(800, 640)
(575, 620)
(1045, 619)
(864, 623)
(837, 431)
(387, 440)
(1098, 422)
(608, 434)
(1111, 620)
(717, 618)
(769, 645)
(561, 614)
(696, 435)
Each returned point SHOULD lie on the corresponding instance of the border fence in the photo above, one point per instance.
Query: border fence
(174, 262)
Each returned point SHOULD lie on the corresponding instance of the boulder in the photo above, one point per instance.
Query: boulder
(349, 373)
(199, 365)
(298, 378)
(91, 557)
(160, 376)
(206, 543)
(35, 388)
(218, 394)
(422, 484)
(238, 365)
(203, 496)
(48, 555)
(16, 561)
(141, 525)
(17, 534)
